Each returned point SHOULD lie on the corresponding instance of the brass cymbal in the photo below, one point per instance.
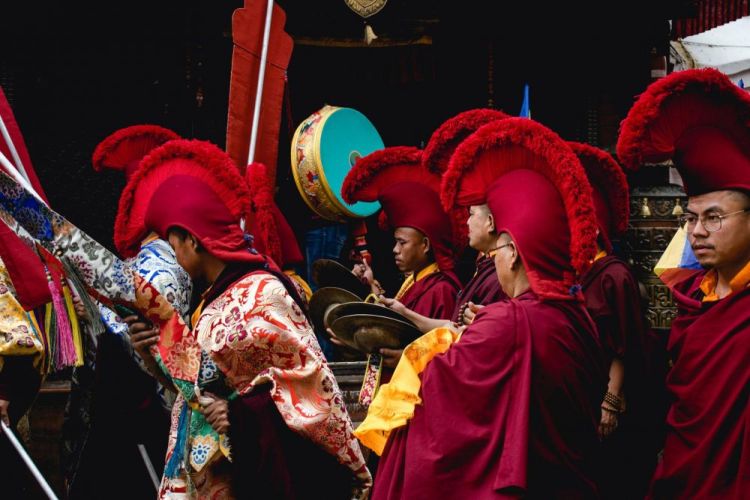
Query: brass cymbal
(323, 300)
(349, 308)
(329, 273)
(368, 333)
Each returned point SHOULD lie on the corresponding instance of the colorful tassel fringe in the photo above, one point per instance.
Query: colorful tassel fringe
(172, 467)
(59, 332)
(75, 326)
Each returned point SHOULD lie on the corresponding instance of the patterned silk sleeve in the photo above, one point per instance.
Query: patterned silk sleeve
(256, 333)
(157, 264)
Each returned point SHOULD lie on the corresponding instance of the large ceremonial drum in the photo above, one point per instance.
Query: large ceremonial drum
(324, 148)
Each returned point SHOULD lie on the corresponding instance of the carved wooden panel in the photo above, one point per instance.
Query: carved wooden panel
(653, 222)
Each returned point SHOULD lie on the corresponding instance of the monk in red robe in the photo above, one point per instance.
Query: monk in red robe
(511, 408)
(423, 249)
(483, 287)
(699, 118)
(627, 425)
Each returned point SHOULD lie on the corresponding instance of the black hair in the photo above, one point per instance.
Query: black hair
(182, 234)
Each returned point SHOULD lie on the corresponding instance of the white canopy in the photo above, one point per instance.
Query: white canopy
(726, 48)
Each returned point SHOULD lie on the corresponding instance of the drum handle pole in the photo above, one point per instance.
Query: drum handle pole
(259, 88)
(12, 149)
(27, 460)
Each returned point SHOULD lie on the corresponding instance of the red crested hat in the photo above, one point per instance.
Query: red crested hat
(610, 190)
(273, 234)
(537, 192)
(124, 149)
(408, 194)
(449, 135)
(193, 185)
(699, 119)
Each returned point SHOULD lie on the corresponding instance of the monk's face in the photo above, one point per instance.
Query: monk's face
(725, 248)
(187, 252)
(481, 226)
(411, 250)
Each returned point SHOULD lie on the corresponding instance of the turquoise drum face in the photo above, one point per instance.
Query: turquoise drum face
(347, 136)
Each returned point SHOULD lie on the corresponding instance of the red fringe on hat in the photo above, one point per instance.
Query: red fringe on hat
(449, 135)
(560, 166)
(604, 173)
(128, 145)
(265, 231)
(371, 173)
(203, 160)
(635, 146)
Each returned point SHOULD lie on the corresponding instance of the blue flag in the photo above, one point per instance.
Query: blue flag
(525, 107)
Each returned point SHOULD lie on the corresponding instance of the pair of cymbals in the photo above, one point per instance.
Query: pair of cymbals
(324, 300)
(329, 273)
(360, 325)
(369, 332)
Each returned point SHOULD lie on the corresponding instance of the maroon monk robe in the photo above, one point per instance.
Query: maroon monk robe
(433, 296)
(614, 301)
(482, 289)
(707, 447)
(509, 410)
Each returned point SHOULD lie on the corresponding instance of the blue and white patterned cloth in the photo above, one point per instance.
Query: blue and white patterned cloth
(156, 263)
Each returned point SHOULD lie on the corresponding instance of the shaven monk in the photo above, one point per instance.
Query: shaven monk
(509, 409)
(699, 119)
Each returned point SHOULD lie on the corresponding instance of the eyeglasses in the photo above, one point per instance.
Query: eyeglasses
(501, 246)
(710, 223)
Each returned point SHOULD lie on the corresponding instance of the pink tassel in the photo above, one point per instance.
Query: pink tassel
(65, 354)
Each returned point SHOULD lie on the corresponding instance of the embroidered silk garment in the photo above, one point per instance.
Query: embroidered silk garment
(258, 337)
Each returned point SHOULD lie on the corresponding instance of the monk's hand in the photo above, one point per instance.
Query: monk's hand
(4, 416)
(334, 339)
(608, 422)
(390, 356)
(216, 412)
(470, 312)
(80, 309)
(143, 335)
(364, 272)
(393, 304)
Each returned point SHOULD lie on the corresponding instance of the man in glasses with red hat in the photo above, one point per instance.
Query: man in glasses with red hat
(701, 120)
(511, 407)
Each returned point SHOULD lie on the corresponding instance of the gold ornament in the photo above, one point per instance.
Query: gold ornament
(366, 8)
(369, 34)
(645, 210)
(677, 210)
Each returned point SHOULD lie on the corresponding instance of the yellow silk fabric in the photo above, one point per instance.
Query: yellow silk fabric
(394, 403)
(409, 282)
(301, 282)
(18, 335)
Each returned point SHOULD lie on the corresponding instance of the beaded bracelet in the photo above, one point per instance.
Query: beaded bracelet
(613, 400)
